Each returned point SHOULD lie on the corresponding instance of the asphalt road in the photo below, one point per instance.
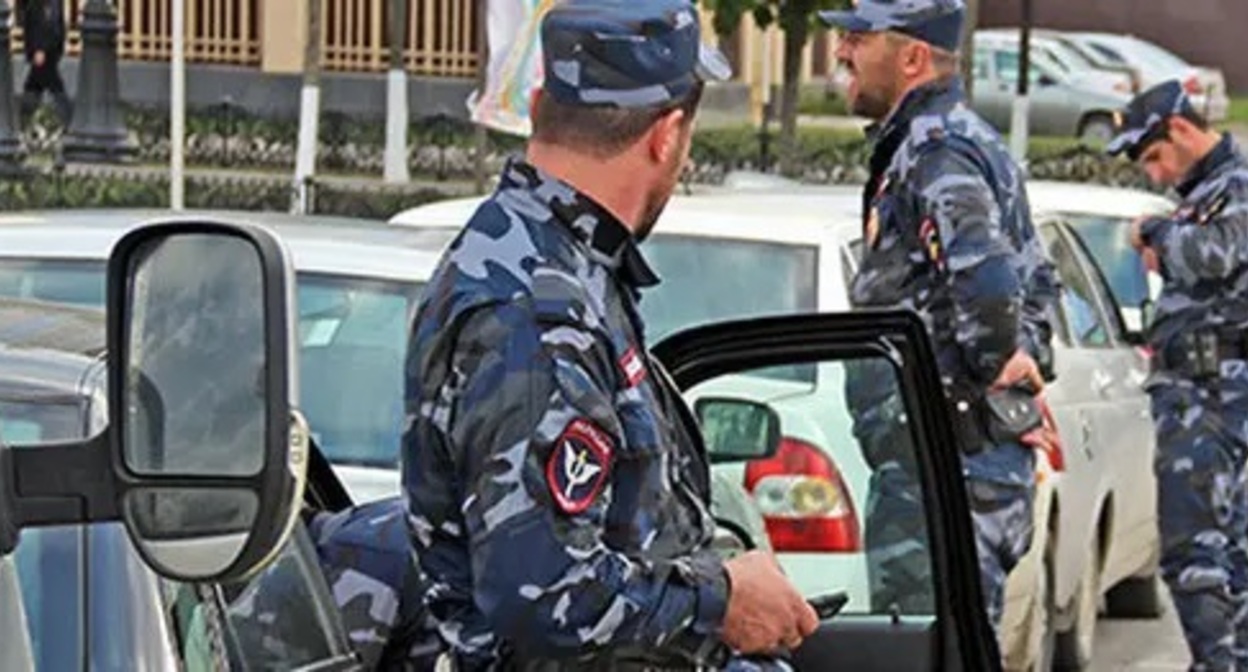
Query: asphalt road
(1145, 646)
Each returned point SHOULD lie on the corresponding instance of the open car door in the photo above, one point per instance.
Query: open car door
(846, 389)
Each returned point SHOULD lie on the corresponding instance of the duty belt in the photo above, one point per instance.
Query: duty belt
(1200, 354)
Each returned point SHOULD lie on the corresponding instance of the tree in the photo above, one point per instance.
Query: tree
(796, 18)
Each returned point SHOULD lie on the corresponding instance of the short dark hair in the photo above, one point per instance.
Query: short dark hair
(600, 130)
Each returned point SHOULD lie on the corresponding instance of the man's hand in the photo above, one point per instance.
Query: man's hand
(1045, 437)
(765, 612)
(1135, 235)
(40, 58)
(1020, 369)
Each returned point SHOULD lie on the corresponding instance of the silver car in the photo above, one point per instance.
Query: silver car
(1063, 100)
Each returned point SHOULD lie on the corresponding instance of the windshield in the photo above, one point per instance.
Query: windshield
(352, 344)
(713, 279)
(352, 353)
(78, 281)
(49, 560)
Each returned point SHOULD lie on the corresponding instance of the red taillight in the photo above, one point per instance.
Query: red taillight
(1192, 86)
(804, 501)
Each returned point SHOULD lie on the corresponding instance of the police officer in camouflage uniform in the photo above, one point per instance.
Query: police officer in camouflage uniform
(1199, 381)
(559, 490)
(366, 555)
(947, 232)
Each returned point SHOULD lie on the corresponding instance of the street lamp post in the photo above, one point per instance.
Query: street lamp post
(97, 132)
(11, 151)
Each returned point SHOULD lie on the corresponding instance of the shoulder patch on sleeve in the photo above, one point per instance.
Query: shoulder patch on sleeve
(929, 235)
(578, 466)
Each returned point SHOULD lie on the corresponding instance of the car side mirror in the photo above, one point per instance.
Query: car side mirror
(737, 430)
(208, 448)
(1046, 80)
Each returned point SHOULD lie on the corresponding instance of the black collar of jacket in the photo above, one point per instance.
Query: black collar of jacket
(940, 94)
(1210, 164)
(609, 242)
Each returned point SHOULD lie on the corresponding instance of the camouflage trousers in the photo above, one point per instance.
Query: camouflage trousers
(1202, 507)
(898, 560)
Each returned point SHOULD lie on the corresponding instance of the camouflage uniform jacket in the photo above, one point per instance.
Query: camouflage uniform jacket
(1202, 249)
(947, 232)
(559, 500)
(366, 555)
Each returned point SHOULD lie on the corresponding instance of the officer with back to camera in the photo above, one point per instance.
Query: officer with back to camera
(1199, 379)
(558, 486)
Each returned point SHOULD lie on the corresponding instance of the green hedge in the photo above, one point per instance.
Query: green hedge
(442, 147)
(140, 190)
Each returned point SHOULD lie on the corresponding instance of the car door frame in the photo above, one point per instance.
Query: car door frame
(964, 639)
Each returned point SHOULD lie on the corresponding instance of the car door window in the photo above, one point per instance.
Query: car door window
(1079, 310)
(849, 495)
(283, 618)
(1129, 282)
(983, 64)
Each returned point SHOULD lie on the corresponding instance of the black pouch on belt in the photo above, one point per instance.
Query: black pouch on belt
(1010, 413)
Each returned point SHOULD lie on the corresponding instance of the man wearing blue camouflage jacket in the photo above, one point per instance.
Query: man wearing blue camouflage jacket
(1199, 381)
(559, 490)
(947, 232)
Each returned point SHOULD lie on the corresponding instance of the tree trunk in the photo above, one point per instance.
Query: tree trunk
(309, 111)
(968, 46)
(395, 165)
(795, 21)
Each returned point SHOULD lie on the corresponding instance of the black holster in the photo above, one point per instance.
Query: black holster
(983, 419)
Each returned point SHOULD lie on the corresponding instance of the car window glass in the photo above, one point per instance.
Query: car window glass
(282, 618)
(710, 280)
(1008, 64)
(50, 561)
(352, 342)
(1120, 276)
(983, 65)
(841, 502)
(78, 282)
(1078, 309)
(352, 347)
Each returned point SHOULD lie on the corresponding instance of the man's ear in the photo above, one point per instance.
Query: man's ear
(664, 136)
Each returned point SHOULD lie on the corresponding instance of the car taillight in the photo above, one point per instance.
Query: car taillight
(804, 501)
(1192, 86)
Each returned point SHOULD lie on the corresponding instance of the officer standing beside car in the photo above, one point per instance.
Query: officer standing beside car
(558, 488)
(947, 232)
(1199, 379)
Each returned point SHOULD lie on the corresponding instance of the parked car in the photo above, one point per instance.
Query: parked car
(1153, 65)
(358, 283)
(1063, 98)
(85, 599)
(724, 256)
(955, 635)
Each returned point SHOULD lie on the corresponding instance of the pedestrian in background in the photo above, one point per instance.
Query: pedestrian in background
(43, 33)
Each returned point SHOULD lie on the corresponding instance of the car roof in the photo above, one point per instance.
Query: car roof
(317, 243)
(809, 214)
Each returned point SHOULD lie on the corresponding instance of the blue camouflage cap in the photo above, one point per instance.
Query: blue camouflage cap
(626, 53)
(937, 22)
(1144, 119)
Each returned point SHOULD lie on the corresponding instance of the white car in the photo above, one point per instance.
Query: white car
(730, 254)
(357, 285)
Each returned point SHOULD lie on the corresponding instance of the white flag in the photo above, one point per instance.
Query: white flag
(515, 66)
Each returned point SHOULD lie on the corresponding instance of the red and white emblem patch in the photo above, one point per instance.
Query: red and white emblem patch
(578, 466)
(634, 369)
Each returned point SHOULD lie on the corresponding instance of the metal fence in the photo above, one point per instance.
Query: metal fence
(441, 38)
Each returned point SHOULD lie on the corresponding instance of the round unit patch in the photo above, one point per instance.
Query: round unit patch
(578, 466)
